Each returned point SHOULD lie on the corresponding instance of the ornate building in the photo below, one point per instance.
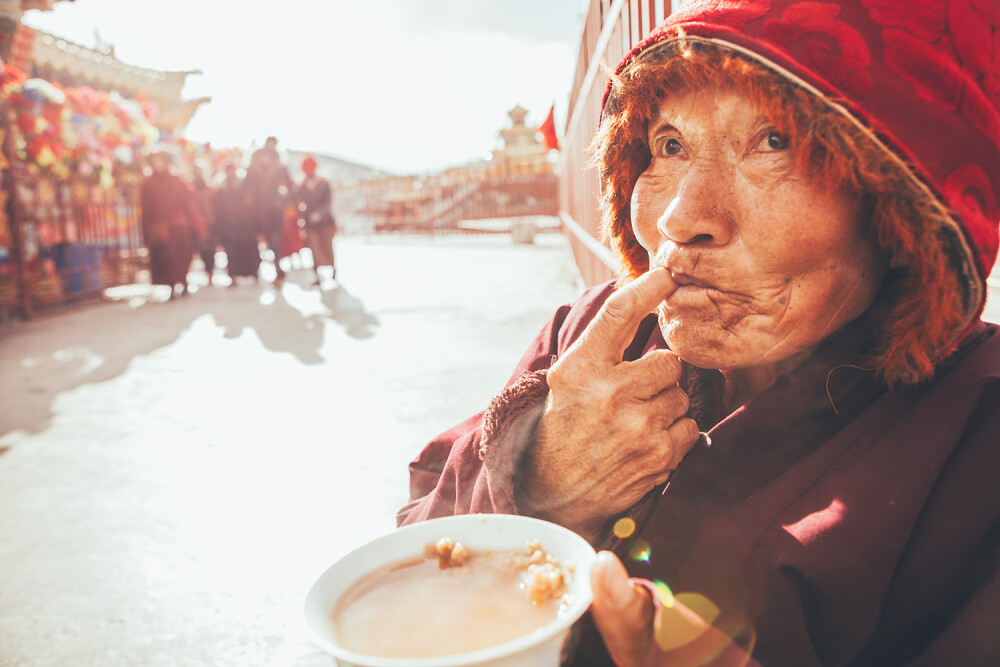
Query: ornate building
(72, 65)
(519, 181)
(520, 142)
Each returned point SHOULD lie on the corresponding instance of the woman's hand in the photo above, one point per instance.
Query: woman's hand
(637, 633)
(622, 611)
(611, 430)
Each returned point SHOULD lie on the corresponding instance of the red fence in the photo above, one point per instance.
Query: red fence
(611, 29)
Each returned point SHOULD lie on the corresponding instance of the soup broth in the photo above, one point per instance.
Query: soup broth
(450, 601)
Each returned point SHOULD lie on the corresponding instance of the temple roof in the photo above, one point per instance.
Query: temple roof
(57, 59)
(73, 65)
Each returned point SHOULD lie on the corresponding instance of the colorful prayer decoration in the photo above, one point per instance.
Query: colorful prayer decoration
(92, 135)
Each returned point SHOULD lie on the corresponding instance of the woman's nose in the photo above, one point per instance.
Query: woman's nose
(701, 211)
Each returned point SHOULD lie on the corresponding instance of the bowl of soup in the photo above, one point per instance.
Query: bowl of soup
(490, 590)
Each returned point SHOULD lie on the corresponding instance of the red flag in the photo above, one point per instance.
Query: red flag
(548, 130)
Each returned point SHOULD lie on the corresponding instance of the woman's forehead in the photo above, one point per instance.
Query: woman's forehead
(707, 105)
(662, 83)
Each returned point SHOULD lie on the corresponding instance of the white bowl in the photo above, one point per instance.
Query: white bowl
(491, 532)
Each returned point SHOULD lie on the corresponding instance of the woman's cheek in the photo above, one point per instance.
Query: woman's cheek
(644, 218)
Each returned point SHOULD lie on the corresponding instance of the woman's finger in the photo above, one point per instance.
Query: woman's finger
(622, 611)
(669, 405)
(615, 325)
(652, 373)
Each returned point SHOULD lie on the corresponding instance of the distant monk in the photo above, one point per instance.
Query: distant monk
(237, 231)
(267, 184)
(171, 221)
(315, 201)
(205, 196)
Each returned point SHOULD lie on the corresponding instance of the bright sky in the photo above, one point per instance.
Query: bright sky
(402, 85)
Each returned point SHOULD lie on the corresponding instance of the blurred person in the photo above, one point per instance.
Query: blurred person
(267, 184)
(292, 235)
(205, 195)
(172, 222)
(787, 409)
(236, 228)
(315, 205)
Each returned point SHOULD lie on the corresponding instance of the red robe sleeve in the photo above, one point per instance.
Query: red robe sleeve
(450, 476)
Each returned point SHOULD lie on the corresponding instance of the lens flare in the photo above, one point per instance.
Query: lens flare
(624, 527)
(641, 551)
(692, 624)
(663, 593)
(701, 605)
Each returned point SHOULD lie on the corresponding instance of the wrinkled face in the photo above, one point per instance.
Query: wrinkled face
(767, 263)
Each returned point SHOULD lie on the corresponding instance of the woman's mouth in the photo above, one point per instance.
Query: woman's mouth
(684, 280)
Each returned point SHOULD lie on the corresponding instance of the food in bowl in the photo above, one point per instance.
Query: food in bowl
(548, 646)
(452, 599)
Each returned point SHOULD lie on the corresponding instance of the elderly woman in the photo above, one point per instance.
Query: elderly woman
(803, 440)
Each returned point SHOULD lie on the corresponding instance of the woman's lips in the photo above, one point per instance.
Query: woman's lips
(684, 280)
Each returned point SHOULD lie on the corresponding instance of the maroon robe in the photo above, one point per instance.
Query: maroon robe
(236, 229)
(834, 520)
(171, 221)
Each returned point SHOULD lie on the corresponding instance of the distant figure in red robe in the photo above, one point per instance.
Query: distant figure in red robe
(205, 197)
(315, 203)
(236, 229)
(171, 221)
(267, 186)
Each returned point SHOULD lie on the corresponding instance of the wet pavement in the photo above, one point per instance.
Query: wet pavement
(174, 475)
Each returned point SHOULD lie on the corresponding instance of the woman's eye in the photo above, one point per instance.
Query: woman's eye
(774, 141)
(672, 147)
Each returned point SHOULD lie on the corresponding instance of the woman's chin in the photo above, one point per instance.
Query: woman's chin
(711, 347)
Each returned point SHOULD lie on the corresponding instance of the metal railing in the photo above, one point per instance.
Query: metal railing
(69, 241)
(611, 29)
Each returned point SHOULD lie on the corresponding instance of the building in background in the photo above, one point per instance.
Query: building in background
(520, 142)
(518, 181)
(57, 60)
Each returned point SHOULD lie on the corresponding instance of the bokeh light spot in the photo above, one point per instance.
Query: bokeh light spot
(641, 551)
(624, 527)
(700, 605)
(663, 593)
